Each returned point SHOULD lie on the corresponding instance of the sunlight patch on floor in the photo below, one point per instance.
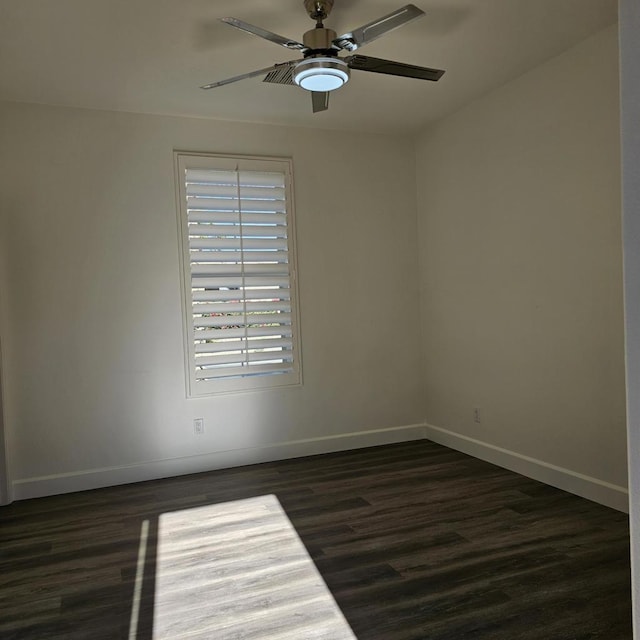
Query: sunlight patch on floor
(238, 570)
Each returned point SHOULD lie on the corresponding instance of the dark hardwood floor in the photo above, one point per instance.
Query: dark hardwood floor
(414, 540)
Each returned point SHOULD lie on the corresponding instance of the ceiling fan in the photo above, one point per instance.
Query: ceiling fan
(321, 70)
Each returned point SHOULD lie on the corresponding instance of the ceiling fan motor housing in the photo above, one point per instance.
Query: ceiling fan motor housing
(319, 40)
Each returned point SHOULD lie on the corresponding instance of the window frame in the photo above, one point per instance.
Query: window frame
(196, 388)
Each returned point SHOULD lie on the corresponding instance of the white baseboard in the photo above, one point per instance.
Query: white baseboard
(585, 486)
(605, 493)
(41, 486)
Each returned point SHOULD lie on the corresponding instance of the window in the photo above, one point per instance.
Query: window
(238, 267)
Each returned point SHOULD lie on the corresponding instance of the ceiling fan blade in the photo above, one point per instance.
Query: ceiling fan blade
(368, 32)
(319, 101)
(251, 74)
(378, 65)
(263, 33)
(282, 75)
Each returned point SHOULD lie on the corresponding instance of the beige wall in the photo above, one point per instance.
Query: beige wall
(92, 330)
(520, 248)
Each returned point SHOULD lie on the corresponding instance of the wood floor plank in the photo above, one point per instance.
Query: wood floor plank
(414, 540)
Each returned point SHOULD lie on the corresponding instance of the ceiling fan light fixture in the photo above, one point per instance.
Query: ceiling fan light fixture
(321, 74)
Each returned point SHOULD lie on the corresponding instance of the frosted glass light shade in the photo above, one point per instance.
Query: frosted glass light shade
(321, 74)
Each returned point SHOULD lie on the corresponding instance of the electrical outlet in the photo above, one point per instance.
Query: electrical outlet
(198, 426)
(476, 415)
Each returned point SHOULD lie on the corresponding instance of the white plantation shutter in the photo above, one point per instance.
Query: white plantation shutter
(236, 222)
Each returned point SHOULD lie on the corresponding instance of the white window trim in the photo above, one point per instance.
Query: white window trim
(193, 160)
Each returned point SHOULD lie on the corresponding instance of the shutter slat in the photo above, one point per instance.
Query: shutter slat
(237, 256)
(239, 307)
(240, 321)
(232, 218)
(244, 178)
(252, 332)
(253, 369)
(250, 294)
(230, 270)
(216, 230)
(231, 205)
(235, 345)
(246, 244)
(239, 358)
(265, 283)
(231, 191)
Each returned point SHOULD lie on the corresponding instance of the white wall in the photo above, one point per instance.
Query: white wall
(521, 296)
(629, 56)
(521, 282)
(92, 331)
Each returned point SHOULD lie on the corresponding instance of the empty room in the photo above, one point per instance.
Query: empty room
(319, 319)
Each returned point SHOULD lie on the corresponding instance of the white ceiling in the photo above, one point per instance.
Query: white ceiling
(152, 55)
